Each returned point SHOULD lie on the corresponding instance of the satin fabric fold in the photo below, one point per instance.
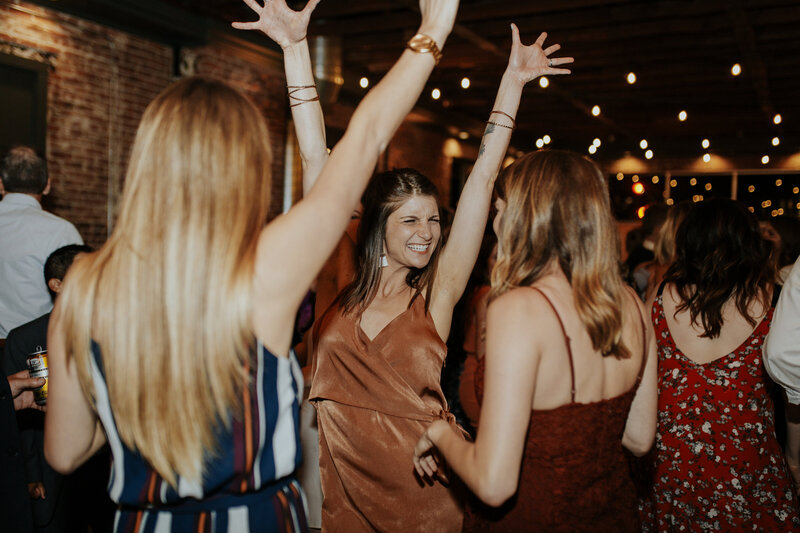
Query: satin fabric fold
(374, 399)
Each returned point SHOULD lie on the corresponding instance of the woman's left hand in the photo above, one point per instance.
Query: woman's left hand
(278, 21)
(426, 457)
(527, 63)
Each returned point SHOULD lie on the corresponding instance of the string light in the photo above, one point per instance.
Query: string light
(436, 94)
(705, 143)
(796, 190)
(620, 176)
(775, 141)
(736, 69)
(631, 77)
(778, 182)
(638, 188)
(643, 144)
(539, 143)
(592, 149)
(635, 178)
(673, 183)
(546, 139)
(465, 83)
(706, 158)
(693, 182)
(777, 119)
(648, 154)
(708, 186)
(363, 82)
(682, 116)
(544, 82)
(751, 188)
(596, 142)
(765, 160)
(463, 135)
(670, 201)
(654, 180)
(596, 110)
(640, 211)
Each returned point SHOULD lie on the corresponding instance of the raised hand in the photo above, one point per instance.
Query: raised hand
(527, 63)
(279, 22)
(438, 17)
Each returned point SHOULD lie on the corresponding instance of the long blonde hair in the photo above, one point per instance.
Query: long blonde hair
(557, 207)
(168, 297)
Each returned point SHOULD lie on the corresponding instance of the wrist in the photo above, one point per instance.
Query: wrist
(295, 46)
(438, 34)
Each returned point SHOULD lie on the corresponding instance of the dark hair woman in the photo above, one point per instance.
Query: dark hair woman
(718, 464)
(380, 351)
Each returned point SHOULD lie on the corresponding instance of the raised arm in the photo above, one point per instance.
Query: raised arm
(294, 247)
(288, 28)
(525, 63)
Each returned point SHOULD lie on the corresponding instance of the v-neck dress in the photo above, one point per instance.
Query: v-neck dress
(718, 465)
(374, 399)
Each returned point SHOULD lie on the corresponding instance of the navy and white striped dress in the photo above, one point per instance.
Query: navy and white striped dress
(247, 487)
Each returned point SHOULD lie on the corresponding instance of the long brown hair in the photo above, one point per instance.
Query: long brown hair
(720, 255)
(557, 207)
(168, 297)
(384, 194)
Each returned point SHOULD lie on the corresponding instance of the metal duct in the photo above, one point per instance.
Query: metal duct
(326, 58)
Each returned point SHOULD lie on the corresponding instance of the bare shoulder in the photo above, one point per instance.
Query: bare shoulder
(524, 310)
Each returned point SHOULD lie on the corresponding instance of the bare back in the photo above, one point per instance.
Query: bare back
(687, 336)
(596, 377)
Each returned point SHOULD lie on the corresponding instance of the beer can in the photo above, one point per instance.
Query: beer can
(37, 368)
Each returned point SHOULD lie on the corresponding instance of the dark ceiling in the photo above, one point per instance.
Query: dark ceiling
(681, 52)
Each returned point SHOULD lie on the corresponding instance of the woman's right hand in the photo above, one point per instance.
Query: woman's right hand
(438, 17)
(279, 22)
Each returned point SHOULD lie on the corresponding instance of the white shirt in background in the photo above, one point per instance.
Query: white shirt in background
(782, 354)
(28, 235)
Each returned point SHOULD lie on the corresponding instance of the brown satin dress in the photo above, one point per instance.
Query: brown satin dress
(374, 399)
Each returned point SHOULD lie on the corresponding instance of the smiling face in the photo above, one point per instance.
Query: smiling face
(412, 232)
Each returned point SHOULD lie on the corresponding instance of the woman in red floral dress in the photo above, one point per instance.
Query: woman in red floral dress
(718, 465)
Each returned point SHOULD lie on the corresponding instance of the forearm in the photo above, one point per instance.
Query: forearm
(464, 459)
(309, 123)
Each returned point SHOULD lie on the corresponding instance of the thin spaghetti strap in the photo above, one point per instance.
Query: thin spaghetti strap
(566, 340)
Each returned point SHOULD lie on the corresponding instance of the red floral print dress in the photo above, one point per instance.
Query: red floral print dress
(718, 465)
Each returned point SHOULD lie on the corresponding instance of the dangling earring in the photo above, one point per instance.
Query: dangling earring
(384, 261)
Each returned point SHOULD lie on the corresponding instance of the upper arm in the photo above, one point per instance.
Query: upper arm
(640, 428)
(72, 430)
(512, 358)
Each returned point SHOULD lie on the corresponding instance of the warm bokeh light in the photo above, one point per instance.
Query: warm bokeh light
(736, 69)
(648, 154)
(643, 144)
(638, 188)
(708, 186)
(463, 135)
(777, 119)
(706, 158)
(631, 77)
(635, 178)
(778, 182)
(596, 110)
(775, 141)
(673, 183)
(436, 94)
(465, 83)
(670, 201)
(682, 116)
(654, 180)
(596, 142)
(544, 82)
(546, 139)
(796, 190)
(780, 211)
(705, 143)
(640, 212)
(363, 82)
(592, 148)
(620, 176)
(751, 188)
(693, 182)
(539, 143)
(765, 160)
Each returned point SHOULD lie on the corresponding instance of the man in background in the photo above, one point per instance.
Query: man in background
(28, 234)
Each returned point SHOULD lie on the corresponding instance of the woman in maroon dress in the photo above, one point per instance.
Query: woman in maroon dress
(569, 366)
(718, 465)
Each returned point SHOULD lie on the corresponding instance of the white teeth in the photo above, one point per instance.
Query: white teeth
(418, 247)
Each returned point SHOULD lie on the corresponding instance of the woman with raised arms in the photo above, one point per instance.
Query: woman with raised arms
(171, 343)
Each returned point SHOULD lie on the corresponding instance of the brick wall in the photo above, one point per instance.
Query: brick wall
(101, 81)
